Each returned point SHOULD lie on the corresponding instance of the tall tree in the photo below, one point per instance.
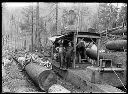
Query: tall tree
(38, 41)
(107, 15)
(122, 15)
(37, 23)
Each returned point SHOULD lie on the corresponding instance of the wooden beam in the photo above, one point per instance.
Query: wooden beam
(75, 40)
(98, 52)
(87, 36)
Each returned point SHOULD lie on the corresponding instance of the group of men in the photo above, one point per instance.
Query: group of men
(66, 52)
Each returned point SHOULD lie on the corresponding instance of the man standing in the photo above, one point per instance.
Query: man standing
(60, 50)
(69, 55)
(61, 54)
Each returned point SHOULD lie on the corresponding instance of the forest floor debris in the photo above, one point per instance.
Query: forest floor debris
(15, 81)
(12, 78)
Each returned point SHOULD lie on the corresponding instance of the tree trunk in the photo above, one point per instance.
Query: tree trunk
(37, 33)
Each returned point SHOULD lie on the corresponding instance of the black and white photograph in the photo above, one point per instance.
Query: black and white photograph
(64, 47)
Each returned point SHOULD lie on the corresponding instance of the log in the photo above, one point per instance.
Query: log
(116, 45)
(113, 29)
(93, 54)
(42, 76)
(56, 88)
(116, 59)
(119, 31)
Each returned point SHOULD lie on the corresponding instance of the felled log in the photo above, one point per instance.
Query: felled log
(111, 30)
(113, 56)
(93, 54)
(116, 45)
(42, 76)
(56, 88)
(119, 31)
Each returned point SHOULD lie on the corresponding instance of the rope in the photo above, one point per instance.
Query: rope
(93, 41)
(120, 80)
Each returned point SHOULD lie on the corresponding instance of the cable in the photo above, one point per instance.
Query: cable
(80, 41)
(120, 80)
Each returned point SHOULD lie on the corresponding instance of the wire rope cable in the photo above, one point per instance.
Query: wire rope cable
(120, 80)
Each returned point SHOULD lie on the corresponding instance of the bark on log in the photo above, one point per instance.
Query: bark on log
(42, 76)
(119, 31)
(113, 29)
(93, 54)
(116, 59)
(116, 45)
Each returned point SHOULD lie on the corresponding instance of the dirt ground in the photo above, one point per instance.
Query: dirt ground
(16, 81)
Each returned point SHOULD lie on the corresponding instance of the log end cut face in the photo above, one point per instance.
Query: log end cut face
(46, 79)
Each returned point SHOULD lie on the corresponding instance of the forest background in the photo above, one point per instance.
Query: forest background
(39, 21)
